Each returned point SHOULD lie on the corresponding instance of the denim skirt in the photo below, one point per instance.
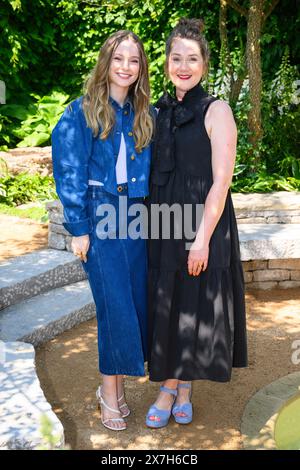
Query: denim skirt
(116, 268)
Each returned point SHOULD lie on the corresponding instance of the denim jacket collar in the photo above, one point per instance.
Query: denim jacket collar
(127, 103)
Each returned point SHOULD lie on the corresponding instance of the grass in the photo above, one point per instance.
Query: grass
(37, 212)
(287, 426)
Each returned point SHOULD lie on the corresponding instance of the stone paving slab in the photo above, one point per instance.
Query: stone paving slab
(46, 315)
(269, 241)
(261, 412)
(279, 200)
(22, 401)
(36, 272)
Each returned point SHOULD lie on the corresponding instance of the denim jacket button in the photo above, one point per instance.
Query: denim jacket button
(130, 134)
(133, 180)
(132, 157)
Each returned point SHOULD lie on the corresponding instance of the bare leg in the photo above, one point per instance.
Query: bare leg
(109, 395)
(121, 395)
(183, 396)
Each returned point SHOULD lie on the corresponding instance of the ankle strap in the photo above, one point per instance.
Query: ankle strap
(169, 390)
(188, 385)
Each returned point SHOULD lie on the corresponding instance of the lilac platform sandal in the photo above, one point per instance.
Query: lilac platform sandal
(186, 408)
(163, 415)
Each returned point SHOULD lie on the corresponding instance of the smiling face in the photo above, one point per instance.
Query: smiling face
(125, 64)
(185, 64)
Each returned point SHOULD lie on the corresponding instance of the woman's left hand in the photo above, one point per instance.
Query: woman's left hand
(197, 259)
(80, 246)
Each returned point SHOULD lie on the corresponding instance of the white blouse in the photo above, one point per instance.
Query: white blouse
(121, 166)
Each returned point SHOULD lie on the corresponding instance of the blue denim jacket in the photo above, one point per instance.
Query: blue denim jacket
(78, 157)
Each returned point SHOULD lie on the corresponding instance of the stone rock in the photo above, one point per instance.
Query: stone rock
(288, 219)
(32, 160)
(263, 285)
(55, 211)
(284, 263)
(271, 275)
(251, 220)
(57, 228)
(22, 401)
(68, 243)
(288, 284)
(248, 276)
(56, 217)
(56, 241)
(54, 205)
(28, 275)
(280, 200)
(295, 275)
(46, 315)
(269, 241)
(254, 265)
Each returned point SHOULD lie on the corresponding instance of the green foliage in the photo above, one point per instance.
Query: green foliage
(6, 129)
(3, 167)
(15, 190)
(50, 441)
(60, 46)
(279, 148)
(33, 123)
(280, 30)
(281, 120)
(38, 213)
(44, 63)
(262, 182)
(290, 165)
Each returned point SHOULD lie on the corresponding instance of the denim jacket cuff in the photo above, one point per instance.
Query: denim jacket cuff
(77, 229)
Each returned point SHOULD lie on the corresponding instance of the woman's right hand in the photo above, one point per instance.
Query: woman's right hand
(80, 246)
(198, 258)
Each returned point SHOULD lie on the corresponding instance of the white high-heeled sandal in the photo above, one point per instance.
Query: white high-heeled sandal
(124, 415)
(101, 403)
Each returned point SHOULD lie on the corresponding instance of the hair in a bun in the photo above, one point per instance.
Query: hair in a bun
(195, 25)
(189, 28)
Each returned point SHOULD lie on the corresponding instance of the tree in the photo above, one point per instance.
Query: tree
(256, 16)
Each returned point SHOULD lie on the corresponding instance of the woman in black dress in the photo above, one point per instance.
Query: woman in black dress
(197, 327)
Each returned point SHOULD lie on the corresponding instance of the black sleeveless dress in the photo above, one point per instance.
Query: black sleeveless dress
(197, 327)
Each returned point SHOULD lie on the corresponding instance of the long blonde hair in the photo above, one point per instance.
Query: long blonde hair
(96, 106)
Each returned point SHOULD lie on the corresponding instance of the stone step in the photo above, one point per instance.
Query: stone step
(269, 241)
(46, 315)
(37, 272)
(275, 201)
(23, 405)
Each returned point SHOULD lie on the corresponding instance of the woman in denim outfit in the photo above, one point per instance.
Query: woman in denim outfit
(101, 161)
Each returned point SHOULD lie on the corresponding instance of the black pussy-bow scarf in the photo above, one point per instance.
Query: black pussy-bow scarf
(172, 114)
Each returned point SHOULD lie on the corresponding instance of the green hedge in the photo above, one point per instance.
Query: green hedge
(47, 48)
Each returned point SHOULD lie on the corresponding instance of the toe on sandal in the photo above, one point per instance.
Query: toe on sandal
(161, 417)
(114, 420)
